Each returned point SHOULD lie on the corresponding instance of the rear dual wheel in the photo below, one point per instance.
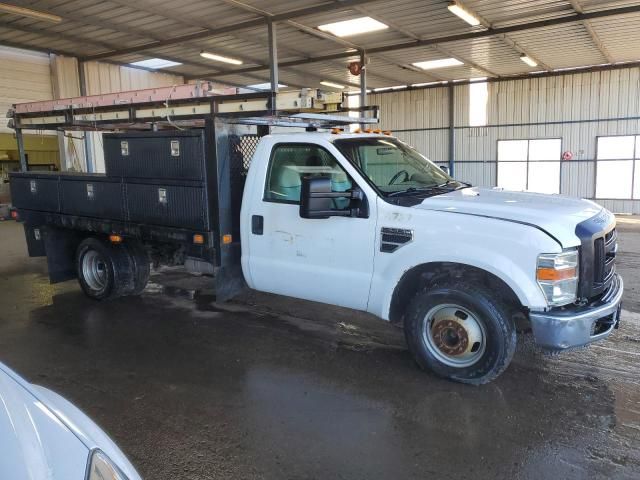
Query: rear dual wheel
(460, 331)
(107, 270)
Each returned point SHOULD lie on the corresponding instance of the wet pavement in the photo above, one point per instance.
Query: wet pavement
(274, 388)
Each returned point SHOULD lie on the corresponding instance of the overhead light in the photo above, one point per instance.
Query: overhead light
(155, 63)
(528, 60)
(441, 63)
(355, 26)
(425, 84)
(464, 14)
(27, 12)
(265, 86)
(331, 84)
(220, 58)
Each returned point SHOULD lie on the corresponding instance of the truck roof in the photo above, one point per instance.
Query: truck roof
(314, 136)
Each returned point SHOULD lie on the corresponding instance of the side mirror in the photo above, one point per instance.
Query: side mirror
(316, 200)
(445, 169)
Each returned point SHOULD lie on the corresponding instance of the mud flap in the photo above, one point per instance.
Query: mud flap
(229, 282)
(61, 245)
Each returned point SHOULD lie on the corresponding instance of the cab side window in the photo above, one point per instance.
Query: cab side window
(291, 162)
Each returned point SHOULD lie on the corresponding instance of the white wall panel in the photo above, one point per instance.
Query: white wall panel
(576, 108)
(24, 77)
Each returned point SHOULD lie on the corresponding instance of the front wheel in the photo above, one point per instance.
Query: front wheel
(460, 331)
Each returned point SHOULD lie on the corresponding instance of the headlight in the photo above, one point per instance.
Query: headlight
(102, 468)
(557, 275)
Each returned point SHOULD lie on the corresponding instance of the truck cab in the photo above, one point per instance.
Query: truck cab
(366, 222)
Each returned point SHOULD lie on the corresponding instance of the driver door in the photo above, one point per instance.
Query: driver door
(326, 260)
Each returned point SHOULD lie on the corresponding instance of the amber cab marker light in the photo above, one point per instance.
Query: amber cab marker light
(115, 238)
(551, 274)
(387, 132)
(227, 239)
(198, 239)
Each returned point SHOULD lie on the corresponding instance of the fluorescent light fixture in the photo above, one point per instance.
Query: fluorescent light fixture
(425, 84)
(27, 12)
(331, 84)
(355, 26)
(441, 63)
(528, 60)
(220, 58)
(385, 89)
(155, 63)
(265, 86)
(463, 13)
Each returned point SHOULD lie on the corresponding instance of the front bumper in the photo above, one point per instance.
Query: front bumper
(574, 327)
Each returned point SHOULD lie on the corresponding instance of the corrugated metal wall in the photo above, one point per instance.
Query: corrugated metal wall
(100, 78)
(24, 77)
(577, 108)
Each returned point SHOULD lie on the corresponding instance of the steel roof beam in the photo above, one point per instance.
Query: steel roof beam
(320, 34)
(206, 33)
(462, 36)
(504, 37)
(594, 35)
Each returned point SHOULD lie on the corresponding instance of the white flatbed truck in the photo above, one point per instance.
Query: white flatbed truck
(358, 220)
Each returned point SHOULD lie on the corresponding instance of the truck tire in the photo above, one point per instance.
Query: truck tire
(460, 331)
(140, 265)
(107, 271)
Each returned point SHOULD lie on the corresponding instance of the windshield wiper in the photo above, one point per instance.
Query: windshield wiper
(411, 190)
(448, 182)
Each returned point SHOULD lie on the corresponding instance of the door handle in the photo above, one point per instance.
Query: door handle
(257, 224)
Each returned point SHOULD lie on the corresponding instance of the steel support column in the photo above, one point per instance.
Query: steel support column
(22, 154)
(363, 82)
(452, 129)
(88, 143)
(273, 55)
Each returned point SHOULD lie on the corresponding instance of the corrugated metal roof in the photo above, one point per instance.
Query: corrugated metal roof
(125, 31)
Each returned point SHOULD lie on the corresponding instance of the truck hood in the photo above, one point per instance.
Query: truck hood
(557, 215)
(35, 443)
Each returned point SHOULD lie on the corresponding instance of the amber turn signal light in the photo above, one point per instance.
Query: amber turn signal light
(551, 274)
(115, 238)
(198, 239)
(227, 239)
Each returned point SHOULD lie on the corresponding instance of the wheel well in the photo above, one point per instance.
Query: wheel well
(430, 273)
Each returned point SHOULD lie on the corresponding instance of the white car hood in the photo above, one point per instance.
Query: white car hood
(45, 437)
(557, 215)
(34, 443)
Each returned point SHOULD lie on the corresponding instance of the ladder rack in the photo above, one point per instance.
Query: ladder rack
(188, 106)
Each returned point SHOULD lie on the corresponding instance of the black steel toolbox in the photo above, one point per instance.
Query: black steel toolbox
(159, 155)
(92, 195)
(168, 203)
(35, 191)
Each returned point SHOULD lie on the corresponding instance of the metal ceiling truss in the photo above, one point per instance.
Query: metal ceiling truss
(489, 32)
(575, 4)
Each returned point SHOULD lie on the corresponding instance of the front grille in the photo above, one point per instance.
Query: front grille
(605, 249)
(598, 248)
(603, 265)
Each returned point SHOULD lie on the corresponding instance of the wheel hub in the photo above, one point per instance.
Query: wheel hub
(454, 335)
(94, 270)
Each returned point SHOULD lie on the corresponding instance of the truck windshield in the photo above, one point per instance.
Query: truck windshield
(394, 167)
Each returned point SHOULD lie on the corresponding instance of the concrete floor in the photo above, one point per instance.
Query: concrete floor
(268, 387)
